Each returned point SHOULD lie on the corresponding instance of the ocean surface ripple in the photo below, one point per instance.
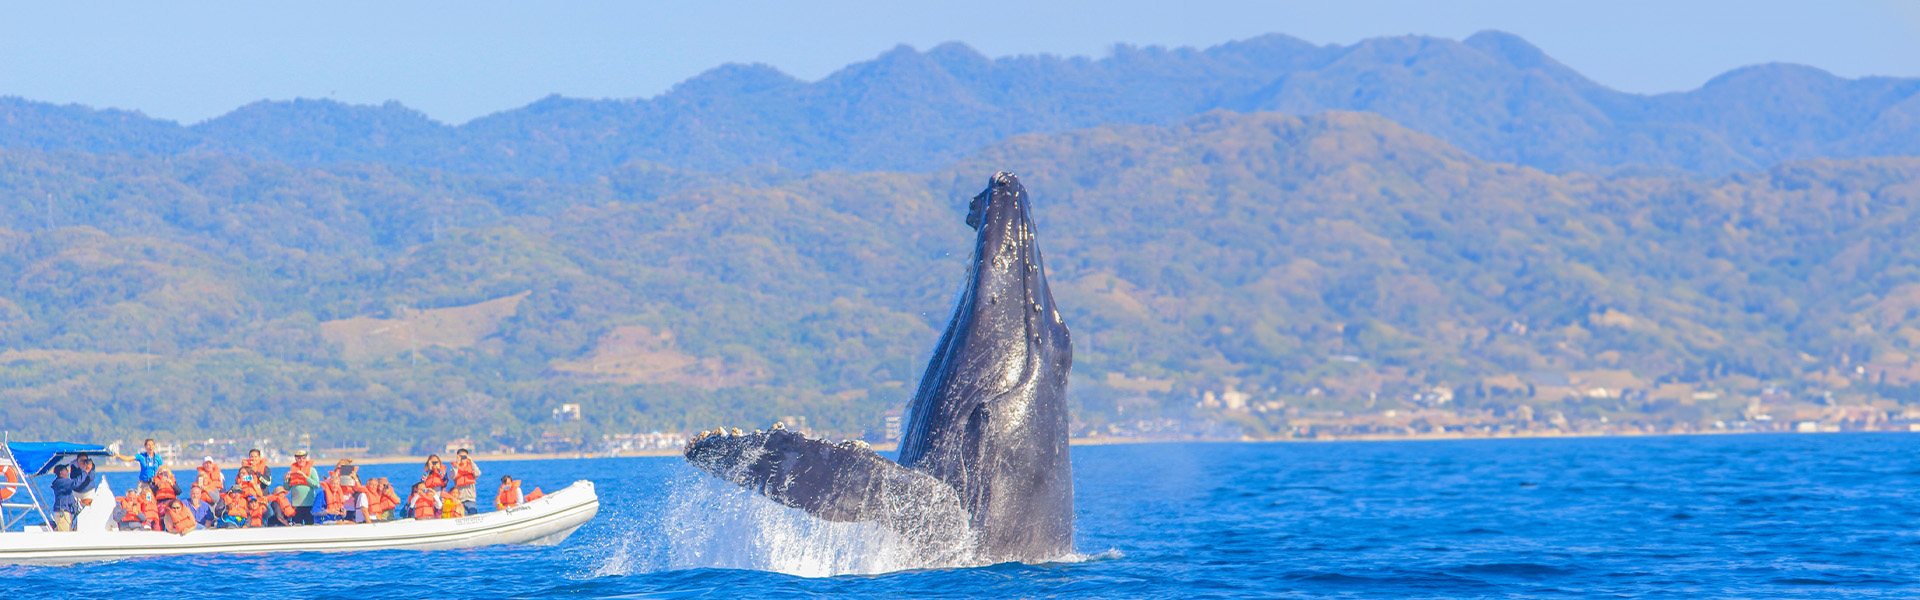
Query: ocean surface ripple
(1754, 516)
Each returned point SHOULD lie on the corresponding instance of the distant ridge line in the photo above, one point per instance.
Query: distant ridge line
(1492, 94)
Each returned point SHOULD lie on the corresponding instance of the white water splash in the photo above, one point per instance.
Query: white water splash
(708, 523)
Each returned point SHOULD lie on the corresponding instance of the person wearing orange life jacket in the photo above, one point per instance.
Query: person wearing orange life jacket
(179, 518)
(465, 474)
(436, 473)
(165, 487)
(279, 511)
(344, 493)
(333, 500)
(536, 495)
(210, 472)
(149, 509)
(260, 469)
(129, 510)
(381, 500)
(302, 482)
(423, 502)
(248, 481)
(257, 511)
(370, 499)
(234, 508)
(509, 495)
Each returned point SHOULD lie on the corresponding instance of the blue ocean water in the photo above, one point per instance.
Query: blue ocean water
(1752, 516)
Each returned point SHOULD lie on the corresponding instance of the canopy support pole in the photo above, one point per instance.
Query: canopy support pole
(7, 521)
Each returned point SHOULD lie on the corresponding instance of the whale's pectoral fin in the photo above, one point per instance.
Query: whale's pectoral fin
(837, 482)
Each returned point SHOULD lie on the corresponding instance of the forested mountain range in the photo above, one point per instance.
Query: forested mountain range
(1492, 95)
(1338, 260)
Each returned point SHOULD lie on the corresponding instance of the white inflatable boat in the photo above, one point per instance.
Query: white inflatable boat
(545, 521)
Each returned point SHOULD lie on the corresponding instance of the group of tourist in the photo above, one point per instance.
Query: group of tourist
(302, 496)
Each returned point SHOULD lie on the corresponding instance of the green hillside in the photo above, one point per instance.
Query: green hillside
(1491, 94)
(1338, 262)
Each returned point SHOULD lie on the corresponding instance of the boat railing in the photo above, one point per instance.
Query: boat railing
(12, 512)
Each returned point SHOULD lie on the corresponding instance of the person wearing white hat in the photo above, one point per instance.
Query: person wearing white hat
(301, 480)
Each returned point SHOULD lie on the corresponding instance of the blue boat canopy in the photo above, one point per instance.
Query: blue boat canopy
(41, 457)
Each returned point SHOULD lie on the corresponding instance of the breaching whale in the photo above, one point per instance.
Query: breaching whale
(983, 473)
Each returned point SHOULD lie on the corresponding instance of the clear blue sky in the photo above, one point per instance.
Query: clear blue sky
(460, 60)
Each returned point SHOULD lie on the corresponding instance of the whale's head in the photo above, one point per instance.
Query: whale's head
(990, 415)
(983, 467)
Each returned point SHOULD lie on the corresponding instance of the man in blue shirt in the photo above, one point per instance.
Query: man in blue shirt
(69, 482)
(150, 460)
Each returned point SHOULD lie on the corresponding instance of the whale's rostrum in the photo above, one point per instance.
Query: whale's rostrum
(983, 473)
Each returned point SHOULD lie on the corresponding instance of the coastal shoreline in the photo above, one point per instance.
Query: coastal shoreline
(114, 467)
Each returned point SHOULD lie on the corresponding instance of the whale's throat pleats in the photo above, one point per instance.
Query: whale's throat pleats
(984, 459)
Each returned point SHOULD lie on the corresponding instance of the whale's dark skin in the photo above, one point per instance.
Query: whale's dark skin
(985, 451)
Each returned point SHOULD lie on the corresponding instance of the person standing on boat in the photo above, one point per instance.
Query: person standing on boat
(353, 499)
(149, 459)
(300, 486)
(465, 475)
(436, 475)
(69, 481)
(165, 486)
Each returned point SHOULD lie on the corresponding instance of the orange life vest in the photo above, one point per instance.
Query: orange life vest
(203, 494)
(165, 487)
(297, 474)
(336, 495)
(129, 508)
(149, 510)
(536, 495)
(259, 465)
(434, 479)
(181, 518)
(236, 504)
(382, 501)
(211, 474)
(256, 510)
(280, 499)
(249, 484)
(423, 506)
(465, 473)
(508, 497)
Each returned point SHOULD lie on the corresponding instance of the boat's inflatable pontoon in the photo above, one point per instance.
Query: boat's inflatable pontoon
(545, 521)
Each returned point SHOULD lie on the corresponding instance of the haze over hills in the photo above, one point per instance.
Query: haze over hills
(1334, 262)
(1492, 94)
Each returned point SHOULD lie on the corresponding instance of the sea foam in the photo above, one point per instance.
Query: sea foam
(707, 523)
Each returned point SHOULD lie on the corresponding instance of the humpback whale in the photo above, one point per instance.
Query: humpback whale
(983, 473)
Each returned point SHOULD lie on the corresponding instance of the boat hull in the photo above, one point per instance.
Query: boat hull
(546, 521)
